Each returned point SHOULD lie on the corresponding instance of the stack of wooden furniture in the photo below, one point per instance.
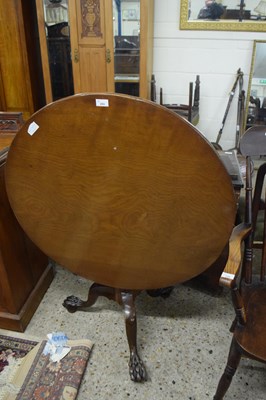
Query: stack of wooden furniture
(188, 111)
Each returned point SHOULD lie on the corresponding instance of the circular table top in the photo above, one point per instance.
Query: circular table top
(120, 191)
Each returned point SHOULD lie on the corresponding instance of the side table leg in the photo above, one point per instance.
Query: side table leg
(137, 370)
(126, 299)
(73, 303)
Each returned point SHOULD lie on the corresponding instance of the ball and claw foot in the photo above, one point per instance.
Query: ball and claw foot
(137, 370)
(72, 303)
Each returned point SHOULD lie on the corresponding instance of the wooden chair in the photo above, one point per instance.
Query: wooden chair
(246, 283)
(189, 111)
(123, 192)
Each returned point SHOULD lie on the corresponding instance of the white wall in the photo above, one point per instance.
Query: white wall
(214, 55)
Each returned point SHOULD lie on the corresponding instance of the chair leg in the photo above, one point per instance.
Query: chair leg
(256, 203)
(256, 206)
(230, 369)
(263, 256)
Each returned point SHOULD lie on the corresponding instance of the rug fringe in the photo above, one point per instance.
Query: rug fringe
(8, 390)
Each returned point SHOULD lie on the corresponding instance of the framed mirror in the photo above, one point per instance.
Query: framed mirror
(223, 15)
(126, 31)
(256, 94)
(54, 35)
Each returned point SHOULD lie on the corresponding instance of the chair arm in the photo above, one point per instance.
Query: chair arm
(232, 267)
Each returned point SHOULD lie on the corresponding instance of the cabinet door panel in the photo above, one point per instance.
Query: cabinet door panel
(13, 58)
(92, 78)
(87, 31)
(90, 22)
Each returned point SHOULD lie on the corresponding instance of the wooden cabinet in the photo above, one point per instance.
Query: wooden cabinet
(25, 273)
(91, 36)
(21, 85)
(94, 33)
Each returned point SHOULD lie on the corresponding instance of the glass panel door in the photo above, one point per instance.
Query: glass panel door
(58, 47)
(126, 30)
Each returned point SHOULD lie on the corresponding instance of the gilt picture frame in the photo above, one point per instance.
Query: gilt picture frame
(186, 23)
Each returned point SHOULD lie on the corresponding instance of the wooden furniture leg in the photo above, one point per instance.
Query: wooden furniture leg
(137, 370)
(126, 299)
(259, 204)
(230, 369)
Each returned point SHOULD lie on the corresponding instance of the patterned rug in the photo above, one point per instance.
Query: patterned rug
(12, 349)
(26, 373)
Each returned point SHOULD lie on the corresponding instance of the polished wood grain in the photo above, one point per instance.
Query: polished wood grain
(20, 81)
(234, 261)
(44, 51)
(130, 195)
(146, 47)
(5, 142)
(25, 273)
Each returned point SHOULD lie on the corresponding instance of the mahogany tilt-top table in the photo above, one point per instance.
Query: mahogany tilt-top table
(123, 192)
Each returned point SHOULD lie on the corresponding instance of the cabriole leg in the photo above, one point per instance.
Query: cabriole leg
(73, 303)
(126, 299)
(137, 370)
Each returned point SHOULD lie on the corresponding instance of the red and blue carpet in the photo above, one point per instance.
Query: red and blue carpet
(26, 373)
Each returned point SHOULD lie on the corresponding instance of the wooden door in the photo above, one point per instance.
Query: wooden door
(20, 81)
(92, 45)
(89, 21)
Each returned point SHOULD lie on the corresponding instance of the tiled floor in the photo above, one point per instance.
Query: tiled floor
(183, 341)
